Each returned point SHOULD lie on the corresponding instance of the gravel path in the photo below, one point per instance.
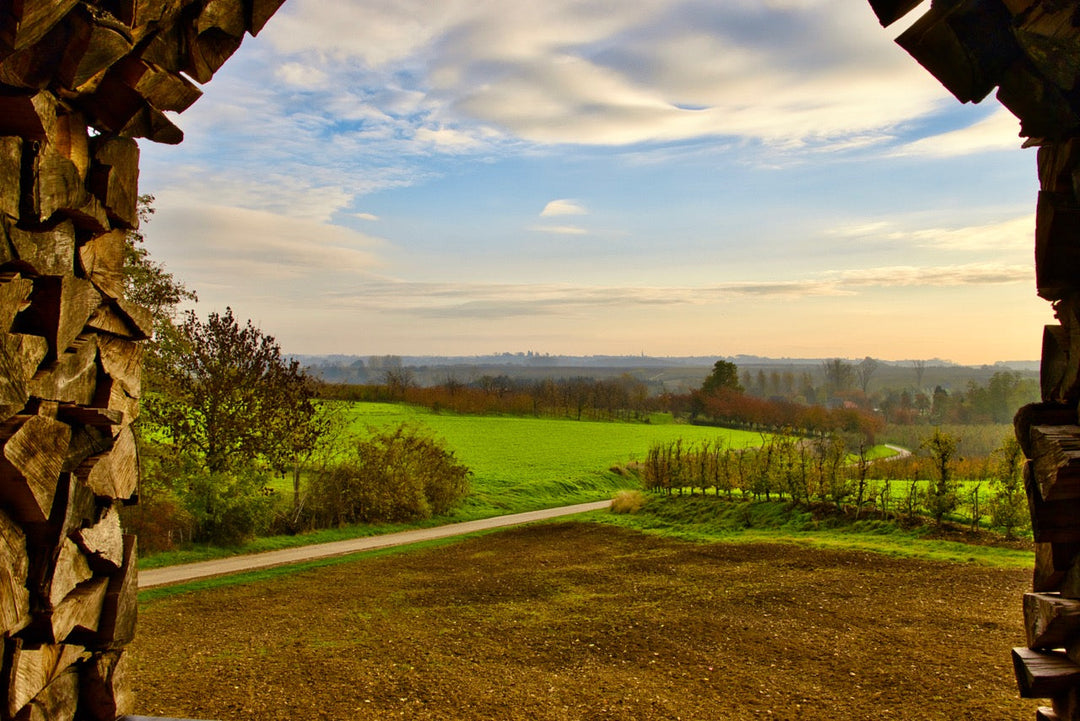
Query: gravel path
(236, 564)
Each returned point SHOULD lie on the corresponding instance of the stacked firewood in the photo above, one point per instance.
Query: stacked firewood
(79, 80)
(1030, 51)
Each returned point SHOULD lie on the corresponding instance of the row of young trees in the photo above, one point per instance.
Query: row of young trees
(835, 469)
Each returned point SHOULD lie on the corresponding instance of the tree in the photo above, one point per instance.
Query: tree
(229, 398)
(725, 374)
(837, 375)
(943, 495)
(864, 371)
(1008, 506)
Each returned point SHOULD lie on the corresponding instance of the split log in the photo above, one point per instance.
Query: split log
(1055, 451)
(30, 467)
(1057, 163)
(114, 178)
(159, 87)
(122, 318)
(32, 669)
(69, 569)
(106, 690)
(60, 309)
(1051, 521)
(14, 567)
(86, 441)
(92, 47)
(33, 19)
(122, 361)
(45, 252)
(72, 378)
(1057, 244)
(79, 614)
(1049, 40)
(1067, 705)
(58, 701)
(103, 542)
(27, 115)
(1052, 562)
(260, 11)
(20, 356)
(966, 47)
(1059, 379)
(889, 11)
(1051, 620)
(121, 607)
(90, 416)
(102, 261)
(118, 109)
(1043, 109)
(1046, 713)
(1041, 414)
(10, 171)
(113, 474)
(1043, 674)
(55, 185)
(74, 509)
(214, 36)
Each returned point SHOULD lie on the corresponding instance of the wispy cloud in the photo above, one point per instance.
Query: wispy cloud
(563, 206)
(999, 131)
(1014, 234)
(559, 229)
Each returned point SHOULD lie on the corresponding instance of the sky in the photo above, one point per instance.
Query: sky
(589, 177)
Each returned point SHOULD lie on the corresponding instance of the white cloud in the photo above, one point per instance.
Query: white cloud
(563, 206)
(997, 132)
(300, 75)
(366, 216)
(559, 229)
(585, 71)
(1011, 234)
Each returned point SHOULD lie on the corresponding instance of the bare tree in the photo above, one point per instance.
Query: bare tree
(864, 371)
(920, 368)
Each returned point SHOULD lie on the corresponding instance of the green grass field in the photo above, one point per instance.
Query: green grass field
(521, 464)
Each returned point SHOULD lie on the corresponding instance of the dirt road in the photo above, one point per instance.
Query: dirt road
(235, 564)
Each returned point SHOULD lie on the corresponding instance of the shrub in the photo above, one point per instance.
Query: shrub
(401, 474)
(627, 502)
(227, 508)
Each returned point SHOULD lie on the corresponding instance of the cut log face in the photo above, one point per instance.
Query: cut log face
(102, 260)
(59, 701)
(103, 542)
(122, 361)
(32, 669)
(79, 614)
(46, 252)
(72, 378)
(71, 569)
(113, 474)
(14, 566)
(115, 179)
(32, 461)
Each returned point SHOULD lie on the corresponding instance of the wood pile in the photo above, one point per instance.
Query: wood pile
(1029, 50)
(79, 81)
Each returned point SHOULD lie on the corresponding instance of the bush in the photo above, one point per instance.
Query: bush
(402, 474)
(227, 508)
(627, 502)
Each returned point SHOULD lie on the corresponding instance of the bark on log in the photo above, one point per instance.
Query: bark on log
(121, 607)
(106, 690)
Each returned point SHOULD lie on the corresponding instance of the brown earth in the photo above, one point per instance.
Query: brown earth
(586, 621)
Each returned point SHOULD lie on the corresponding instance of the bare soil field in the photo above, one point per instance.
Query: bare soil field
(584, 621)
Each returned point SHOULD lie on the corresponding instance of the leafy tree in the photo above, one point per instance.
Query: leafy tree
(943, 495)
(229, 398)
(725, 374)
(1008, 506)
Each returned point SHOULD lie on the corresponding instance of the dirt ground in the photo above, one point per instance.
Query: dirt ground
(584, 621)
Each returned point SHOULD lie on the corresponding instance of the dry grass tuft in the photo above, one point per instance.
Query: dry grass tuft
(627, 502)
